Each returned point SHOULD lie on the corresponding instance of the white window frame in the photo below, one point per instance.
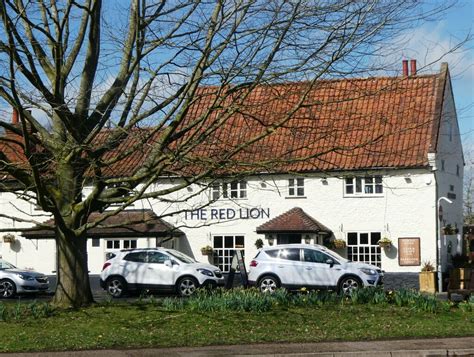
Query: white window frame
(234, 190)
(373, 251)
(296, 187)
(223, 255)
(364, 186)
(120, 242)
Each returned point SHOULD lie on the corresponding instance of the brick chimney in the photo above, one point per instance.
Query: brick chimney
(413, 67)
(15, 119)
(405, 68)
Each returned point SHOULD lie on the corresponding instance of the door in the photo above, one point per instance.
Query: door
(289, 266)
(317, 272)
(133, 267)
(156, 272)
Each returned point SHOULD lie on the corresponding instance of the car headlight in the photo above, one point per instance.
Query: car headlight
(205, 272)
(26, 277)
(368, 271)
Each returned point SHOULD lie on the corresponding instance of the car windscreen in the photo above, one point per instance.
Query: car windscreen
(180, 256)
(5, 265)
(336, 256)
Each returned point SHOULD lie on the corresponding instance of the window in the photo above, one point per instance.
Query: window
(224, 246)
(290, 254)
(442, 165)
(315, 256)
(359, 186)
(233, 190)
(157, 257)
(95, 242)
(457, 170)
(296, 187)
(451, 188)
(363, 247)
(138, 257)
(112, 245)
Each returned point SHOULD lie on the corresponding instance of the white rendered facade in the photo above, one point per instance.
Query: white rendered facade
(406, 208)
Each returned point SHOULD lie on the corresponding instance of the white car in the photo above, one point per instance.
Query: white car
(17, 281)
(157, 269)
(294, 266)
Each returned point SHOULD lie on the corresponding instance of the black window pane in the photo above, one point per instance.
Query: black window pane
(291, 191)
(352, 238)
(364, 238)
(350, 189)
(217, 241)
(300, 182)
(358, 185)
(126, 244)
(133, 243)
(374, 238)
(109, 244)
(116, 244)
(228, 241)
(239, 241)
(300, 191)
(96, 242)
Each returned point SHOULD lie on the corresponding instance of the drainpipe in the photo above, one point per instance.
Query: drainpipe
(438, 242)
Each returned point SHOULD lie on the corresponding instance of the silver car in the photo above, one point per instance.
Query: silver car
(15, 281)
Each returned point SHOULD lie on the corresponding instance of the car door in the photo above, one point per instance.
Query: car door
(289, 266)
(133, 266)
(158, 273)
(317, 271)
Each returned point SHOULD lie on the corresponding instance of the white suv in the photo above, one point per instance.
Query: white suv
(294, 266)
(157, 269)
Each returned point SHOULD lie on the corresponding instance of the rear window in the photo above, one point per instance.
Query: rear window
(272, 253)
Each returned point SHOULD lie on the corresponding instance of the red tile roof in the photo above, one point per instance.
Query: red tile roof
(347, 124)
(129, 223)
(295, 220)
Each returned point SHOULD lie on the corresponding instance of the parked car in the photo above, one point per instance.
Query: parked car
(16, 281)
(294, 266)
(157, 269)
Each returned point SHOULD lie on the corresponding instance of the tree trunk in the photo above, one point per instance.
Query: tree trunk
(73, 287)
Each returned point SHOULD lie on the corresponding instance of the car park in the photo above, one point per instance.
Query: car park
(294, 266)
(15, 281)
(157, 269)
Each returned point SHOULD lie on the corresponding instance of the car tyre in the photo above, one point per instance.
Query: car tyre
(7, 288)
(116, 286)
(186, 286)
(268, 284)
(349, 284)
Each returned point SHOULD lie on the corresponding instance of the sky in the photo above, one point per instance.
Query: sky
(431, 41)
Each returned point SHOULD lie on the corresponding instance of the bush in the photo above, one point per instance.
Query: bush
(19, 312)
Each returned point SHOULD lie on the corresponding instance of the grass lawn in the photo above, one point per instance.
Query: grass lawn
(149, 325)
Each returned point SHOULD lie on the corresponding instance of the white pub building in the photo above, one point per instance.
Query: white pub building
(405, 168)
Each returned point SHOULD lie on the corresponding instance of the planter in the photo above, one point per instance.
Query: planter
(207, 250)
(338, 244)
(9, 238)
(428, 281)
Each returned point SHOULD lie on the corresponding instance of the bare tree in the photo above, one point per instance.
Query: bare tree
(97, 84)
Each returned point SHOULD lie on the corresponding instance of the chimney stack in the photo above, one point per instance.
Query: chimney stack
(413, 67)
(15, 120)
(405, 68)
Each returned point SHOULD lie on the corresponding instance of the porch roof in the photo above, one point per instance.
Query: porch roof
(293, 221)
(129, 223)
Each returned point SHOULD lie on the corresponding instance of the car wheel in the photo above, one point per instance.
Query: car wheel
(116, 286)
(186, 286)
(268, 284)
(7, 288)
(349, 284)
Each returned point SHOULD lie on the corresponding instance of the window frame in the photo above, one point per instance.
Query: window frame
(296, 187)
(361, 248)
(363, 186)
(231, 190)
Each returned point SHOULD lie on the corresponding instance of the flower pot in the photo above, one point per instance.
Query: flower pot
(428, 281)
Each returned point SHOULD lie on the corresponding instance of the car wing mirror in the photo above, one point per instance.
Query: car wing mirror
(330, 262)
(168, 263)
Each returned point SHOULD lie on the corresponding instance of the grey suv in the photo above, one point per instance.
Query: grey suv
(15, 281)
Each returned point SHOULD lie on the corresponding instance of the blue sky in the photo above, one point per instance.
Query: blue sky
(431, 41)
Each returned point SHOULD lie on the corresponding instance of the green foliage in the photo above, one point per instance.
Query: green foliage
(20, 312)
